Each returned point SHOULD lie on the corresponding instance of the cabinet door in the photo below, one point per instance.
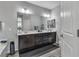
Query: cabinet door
(26, 41)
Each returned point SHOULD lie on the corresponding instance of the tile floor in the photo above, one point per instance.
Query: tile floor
(53, 53)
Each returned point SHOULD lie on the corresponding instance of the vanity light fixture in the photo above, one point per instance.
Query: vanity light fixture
(46, 15)
(25, 11)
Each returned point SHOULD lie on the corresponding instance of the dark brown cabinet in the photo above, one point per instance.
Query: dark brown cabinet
(32, 41)
(26, 41)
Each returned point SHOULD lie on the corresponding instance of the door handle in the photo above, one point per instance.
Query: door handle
(61, 35)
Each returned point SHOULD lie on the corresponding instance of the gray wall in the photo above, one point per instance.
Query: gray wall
(8, 15)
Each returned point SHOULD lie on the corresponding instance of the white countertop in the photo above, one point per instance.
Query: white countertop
(2, 47)
(34, 32)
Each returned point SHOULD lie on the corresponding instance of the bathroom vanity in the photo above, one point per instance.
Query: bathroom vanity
(33, 40)
(35, 30)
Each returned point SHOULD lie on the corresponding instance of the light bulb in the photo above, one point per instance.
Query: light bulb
(28, 11)
(46, 15)
(21, 10)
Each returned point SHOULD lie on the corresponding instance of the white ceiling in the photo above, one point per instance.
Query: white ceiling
(45, 4)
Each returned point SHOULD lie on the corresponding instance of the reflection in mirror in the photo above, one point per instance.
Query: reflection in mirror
(19, 22)
(23, 22)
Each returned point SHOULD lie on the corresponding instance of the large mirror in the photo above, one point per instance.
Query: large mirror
(34, 22)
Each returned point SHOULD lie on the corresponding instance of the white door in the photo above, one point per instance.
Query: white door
(66, 37)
